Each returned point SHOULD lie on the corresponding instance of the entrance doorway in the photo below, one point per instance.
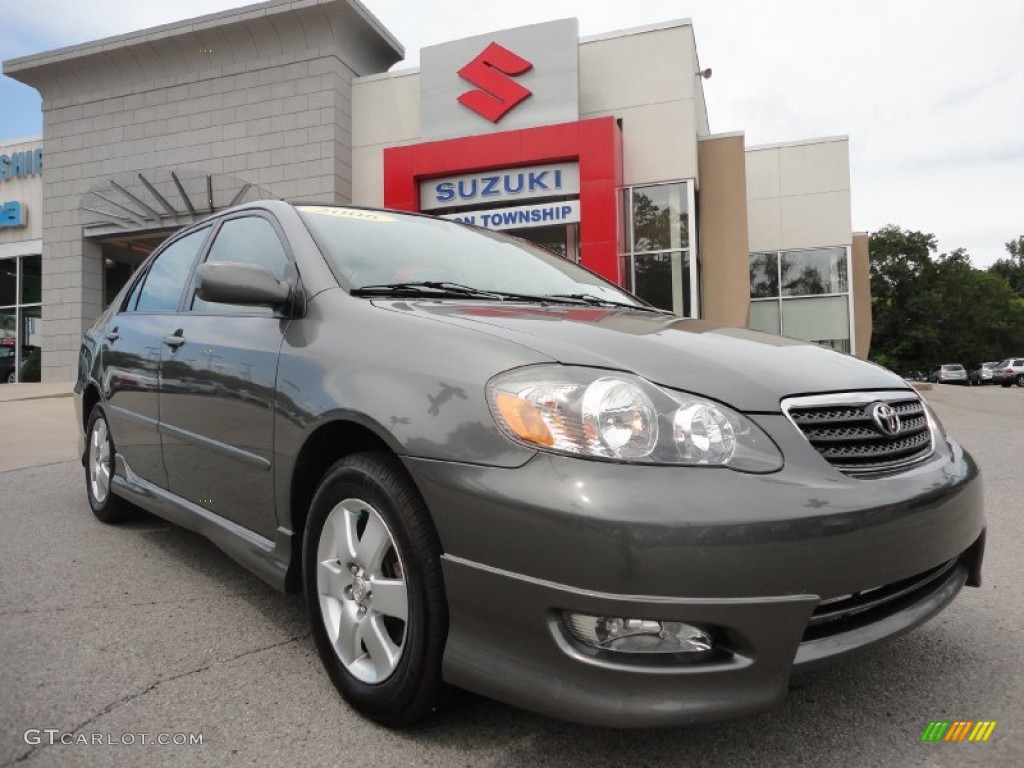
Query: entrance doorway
(20, 318)
(562, 239)
(122, 255)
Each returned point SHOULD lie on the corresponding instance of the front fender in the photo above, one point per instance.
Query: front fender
(415, 382)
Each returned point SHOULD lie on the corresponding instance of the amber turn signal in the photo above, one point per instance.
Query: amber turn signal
(523, 418)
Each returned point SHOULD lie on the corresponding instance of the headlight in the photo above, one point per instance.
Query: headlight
(938, 430)
(608, 415)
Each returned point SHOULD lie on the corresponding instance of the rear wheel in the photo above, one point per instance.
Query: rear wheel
(374, 591)
(99, 471)
(1020, 379)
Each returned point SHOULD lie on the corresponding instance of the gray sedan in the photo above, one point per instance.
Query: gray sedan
(488, 468)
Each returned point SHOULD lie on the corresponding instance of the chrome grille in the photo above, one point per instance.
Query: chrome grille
(843, 430)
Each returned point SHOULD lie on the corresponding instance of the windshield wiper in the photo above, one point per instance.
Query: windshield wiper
(597, 301)
(440, 288)
(425, 287)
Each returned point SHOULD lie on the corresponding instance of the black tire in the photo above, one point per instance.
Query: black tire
(1020, 379)
(110, 509)
(415, 688)
(1006, 382)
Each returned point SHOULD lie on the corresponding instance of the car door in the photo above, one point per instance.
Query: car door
(218, 382)
(131, 350)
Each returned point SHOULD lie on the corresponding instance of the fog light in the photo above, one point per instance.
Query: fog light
(639, 636)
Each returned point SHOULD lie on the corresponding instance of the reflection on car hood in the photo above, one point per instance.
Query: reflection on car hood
(747, 369)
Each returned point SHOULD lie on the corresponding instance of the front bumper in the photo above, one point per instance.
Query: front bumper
(750, 557)
(507, 641)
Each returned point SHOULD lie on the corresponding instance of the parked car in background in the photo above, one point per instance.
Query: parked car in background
(982, 374)
(6, 363)
(488, 467)
(29, 362)
(1012, 372)
(950, 373)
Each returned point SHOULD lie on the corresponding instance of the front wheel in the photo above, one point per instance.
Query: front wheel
(374, 591)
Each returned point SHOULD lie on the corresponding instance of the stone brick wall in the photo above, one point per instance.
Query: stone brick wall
(264, 96)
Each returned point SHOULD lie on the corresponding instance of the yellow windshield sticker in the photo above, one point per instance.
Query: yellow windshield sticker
(347, 213)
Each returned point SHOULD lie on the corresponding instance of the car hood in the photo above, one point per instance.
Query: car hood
(746, 369)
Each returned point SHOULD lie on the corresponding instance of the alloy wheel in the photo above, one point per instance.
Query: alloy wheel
(364, 599)
(100, 462)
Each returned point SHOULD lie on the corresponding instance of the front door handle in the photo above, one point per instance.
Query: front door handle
(176, 339)
(113, 335)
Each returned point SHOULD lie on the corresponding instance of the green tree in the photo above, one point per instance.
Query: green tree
(1012, 269)
(929, 309)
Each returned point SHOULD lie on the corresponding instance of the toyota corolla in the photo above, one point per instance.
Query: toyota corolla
(488, 468)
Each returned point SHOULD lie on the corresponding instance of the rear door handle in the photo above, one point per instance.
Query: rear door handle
(175, 340)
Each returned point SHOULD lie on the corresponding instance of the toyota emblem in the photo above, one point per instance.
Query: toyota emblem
(885, 418)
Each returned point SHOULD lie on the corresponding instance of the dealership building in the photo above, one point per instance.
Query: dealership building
(597, 147)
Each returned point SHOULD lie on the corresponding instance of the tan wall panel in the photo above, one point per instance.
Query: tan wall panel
(724, 248)
(811, 168)
(368, 175)
(659, 141)
(634, 70)
(763, 173)
(764, 217)
(861, 283)
(809, 221)
(386, 110)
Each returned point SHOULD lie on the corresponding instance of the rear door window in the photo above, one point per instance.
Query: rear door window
(165, 281)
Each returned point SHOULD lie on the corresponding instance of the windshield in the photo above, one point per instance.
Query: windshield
(373, 248)
(952, 367)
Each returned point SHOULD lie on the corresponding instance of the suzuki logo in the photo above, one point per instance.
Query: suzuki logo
(492, 72)
(886, 419)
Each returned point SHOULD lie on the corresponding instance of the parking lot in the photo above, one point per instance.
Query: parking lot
(149, 629)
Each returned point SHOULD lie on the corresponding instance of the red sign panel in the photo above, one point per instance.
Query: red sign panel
(596, 144)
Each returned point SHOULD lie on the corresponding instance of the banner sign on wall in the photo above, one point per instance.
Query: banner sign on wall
(529, 183)
(520, 216)
(12, 214)
(18, 165)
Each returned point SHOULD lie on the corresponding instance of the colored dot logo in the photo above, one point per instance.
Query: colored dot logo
(958, 730)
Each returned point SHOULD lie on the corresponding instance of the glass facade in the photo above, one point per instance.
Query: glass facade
(659, 232)
(802, 293)
(21, 283)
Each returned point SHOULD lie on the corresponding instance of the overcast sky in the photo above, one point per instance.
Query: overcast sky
(930, 92)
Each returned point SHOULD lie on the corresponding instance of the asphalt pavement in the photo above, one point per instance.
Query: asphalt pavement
(111, 633)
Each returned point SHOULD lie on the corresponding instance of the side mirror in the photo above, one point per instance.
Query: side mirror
(228, 282)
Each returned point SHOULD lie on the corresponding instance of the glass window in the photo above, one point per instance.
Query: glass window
(31, 279)
(249, 240)
(31, 344)
(168, 273)
(807, 273)
(660, 219)
(662, 279)
(824, 317)
(764, 316)
(133, 297)
(764, 275)
(115, 274)
(8, 282)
